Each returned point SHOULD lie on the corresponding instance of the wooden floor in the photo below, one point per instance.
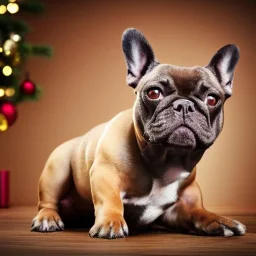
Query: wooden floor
(16, 239)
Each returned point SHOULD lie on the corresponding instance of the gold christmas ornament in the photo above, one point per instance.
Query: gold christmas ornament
(15, 37)
(16, 59)
(3, 123)
(8, 53)
(7, 70)
(9, 92)
(2, 9)
(2, 92)
(12, 8)
(1, 49)
(9, 47)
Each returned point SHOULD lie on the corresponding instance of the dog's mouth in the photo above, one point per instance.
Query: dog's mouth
(182, 137)
(172, 131)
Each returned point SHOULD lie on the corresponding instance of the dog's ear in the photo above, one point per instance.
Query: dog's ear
(139, 56)
(223, 65)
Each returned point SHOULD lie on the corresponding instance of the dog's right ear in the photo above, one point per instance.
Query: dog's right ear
(139, 56)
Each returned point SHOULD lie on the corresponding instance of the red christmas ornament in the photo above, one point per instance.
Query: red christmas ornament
(28, 87)
(9, 111)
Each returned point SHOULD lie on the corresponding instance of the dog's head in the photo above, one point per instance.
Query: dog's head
(179, 107)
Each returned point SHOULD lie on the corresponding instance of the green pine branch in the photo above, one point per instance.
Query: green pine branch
(4, 2)
(34, 97)
(36, 50)
(32, 6)
(10, 24)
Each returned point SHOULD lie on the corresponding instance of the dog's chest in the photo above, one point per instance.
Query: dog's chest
(147, 208)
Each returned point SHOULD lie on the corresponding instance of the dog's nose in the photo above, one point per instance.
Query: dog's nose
(184, 106)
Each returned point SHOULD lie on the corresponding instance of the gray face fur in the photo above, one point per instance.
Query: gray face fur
(183, 116)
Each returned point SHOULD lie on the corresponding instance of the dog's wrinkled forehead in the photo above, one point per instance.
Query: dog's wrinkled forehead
(183, 79)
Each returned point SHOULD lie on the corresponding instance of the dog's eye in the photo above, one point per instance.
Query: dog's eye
(211, 100)
(154, 93)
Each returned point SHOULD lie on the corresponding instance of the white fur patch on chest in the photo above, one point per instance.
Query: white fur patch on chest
(155, 201)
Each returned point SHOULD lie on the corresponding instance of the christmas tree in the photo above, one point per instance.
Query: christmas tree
(14, 52)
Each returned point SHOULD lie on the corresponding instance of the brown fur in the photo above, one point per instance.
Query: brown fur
(103, 174)
(121, 174)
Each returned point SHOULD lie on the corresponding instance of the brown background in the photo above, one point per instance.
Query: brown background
(84, 84)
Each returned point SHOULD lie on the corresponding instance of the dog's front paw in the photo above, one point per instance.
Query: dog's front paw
(109, 227)
(47, 220)
(220, 226)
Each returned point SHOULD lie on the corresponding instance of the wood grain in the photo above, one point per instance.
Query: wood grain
(16, 239)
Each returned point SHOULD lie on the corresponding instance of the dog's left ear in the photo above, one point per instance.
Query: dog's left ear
(223, 66)
(139, 56)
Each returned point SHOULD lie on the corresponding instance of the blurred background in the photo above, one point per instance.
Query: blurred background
(84, 85)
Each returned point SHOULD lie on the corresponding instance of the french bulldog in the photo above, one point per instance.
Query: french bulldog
(139, 168)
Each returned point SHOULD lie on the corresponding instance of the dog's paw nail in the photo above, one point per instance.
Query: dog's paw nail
(33, 223)
(240, 228)
(94, 231)
(227, 232)
(125, 230)
(60, 224)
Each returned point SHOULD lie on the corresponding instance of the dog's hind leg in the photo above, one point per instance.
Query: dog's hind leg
(54, 182)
